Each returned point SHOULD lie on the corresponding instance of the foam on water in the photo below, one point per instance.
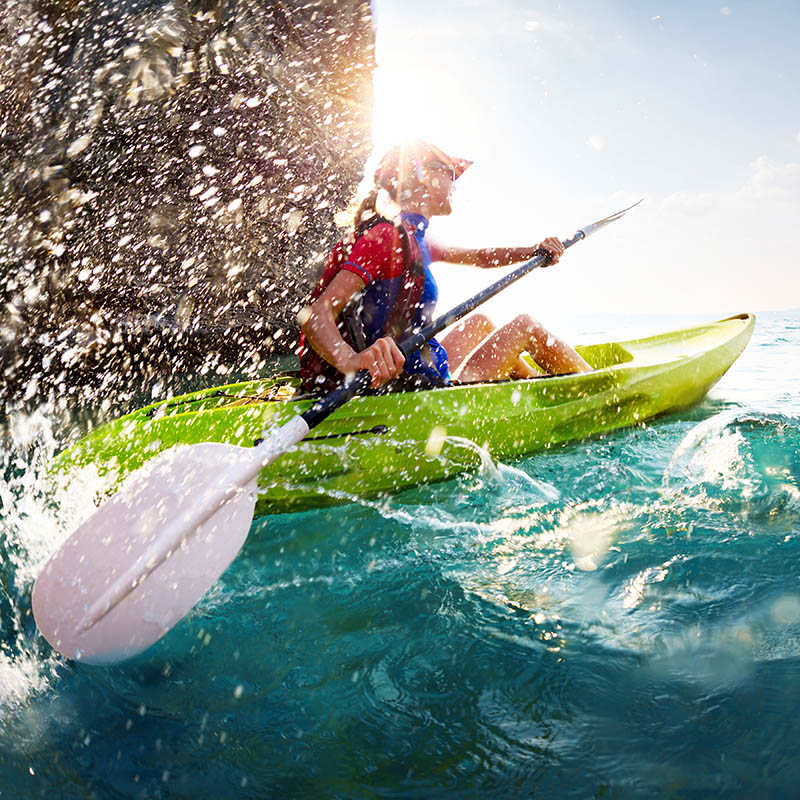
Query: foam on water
(38, 514)
(29, 530)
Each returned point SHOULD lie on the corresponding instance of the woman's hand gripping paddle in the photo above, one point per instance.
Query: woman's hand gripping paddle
(132, 570)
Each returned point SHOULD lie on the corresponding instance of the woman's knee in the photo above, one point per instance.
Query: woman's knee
(472, 330)
(480, 322)
(472, 324)
(464, 337)
(527, 325)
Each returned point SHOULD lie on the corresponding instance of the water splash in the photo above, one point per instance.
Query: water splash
(165, 167)
(29, 531)
(741, 462)
(508, 479)
(37, 513)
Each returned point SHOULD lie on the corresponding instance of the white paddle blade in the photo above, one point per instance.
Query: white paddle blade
(147, 555)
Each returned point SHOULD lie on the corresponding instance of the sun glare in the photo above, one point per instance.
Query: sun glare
(418, 94)
(408, 106)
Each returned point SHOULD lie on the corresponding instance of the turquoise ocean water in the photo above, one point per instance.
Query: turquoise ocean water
(618, 617)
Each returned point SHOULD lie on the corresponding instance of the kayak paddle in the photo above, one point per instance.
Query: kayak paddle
(132, 570)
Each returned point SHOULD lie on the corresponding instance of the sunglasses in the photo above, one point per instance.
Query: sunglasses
(440, 165)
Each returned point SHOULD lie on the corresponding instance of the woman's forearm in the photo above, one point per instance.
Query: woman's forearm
(323, 335)
(320, 323)
(383, 359)
(503, 256)
(487, 257)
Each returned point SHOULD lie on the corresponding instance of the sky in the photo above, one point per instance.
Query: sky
(573, 110)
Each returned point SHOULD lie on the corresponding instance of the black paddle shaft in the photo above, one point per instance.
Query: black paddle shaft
(416, 339)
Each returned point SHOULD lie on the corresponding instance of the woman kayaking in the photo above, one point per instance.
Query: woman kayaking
(377, 284)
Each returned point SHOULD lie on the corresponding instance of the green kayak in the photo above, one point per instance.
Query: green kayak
(384, 443)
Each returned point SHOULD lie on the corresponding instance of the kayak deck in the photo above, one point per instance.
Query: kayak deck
(384, 443)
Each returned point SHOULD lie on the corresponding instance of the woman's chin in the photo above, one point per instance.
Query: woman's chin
(443, 210)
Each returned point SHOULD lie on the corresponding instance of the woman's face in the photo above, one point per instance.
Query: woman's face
(429, 192)
(439, 182)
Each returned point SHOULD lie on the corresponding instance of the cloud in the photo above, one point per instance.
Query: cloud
(771, 179)
(727, 251)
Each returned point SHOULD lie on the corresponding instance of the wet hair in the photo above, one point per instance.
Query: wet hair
(366, 210)
(365, 215)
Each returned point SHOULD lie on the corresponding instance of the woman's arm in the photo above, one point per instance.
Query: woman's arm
(486, 257)
(383, 359)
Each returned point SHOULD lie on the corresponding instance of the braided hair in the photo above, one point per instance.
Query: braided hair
(366, 215)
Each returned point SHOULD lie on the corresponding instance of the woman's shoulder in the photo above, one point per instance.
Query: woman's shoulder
(377, 230)
(382, 236)
(379, 250)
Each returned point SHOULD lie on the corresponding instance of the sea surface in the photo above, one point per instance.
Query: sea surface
(617, 617)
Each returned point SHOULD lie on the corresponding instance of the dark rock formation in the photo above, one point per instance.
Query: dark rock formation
(169, 172)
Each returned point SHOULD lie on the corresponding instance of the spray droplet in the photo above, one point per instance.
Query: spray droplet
(433, 447)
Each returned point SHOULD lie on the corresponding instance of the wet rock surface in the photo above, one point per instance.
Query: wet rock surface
(169, 174)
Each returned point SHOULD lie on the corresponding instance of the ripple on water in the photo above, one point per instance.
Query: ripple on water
(742, 463)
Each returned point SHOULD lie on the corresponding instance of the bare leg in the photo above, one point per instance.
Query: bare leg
(499, 356)
(465, 337)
